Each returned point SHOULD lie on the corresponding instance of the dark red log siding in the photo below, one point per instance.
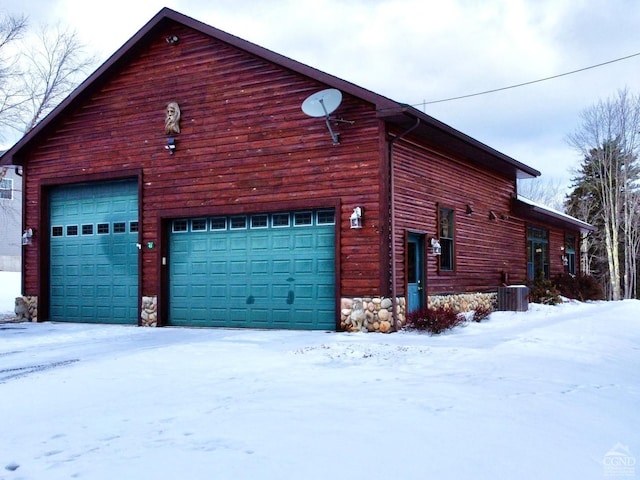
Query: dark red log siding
(484, 248)
(245, 146)
(556, 242)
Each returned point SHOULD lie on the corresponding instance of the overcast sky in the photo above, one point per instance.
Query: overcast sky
(416, 51)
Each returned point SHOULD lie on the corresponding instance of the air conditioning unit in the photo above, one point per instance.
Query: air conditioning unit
(514, 298)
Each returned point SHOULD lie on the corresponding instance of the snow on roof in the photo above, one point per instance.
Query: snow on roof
(555, 213)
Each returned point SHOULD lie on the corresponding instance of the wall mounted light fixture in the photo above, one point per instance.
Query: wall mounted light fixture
(469, 210)
(356, 218)
(436, 248)
(171, 145)
(27, 237)
(172, 39)
(564, 257)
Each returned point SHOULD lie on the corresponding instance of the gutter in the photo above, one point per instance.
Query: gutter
(392, 214)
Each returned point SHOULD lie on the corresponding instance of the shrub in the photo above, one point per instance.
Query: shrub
(481, 312)
(434, 320)
(590, 288)
(544, 291)
(581, 287)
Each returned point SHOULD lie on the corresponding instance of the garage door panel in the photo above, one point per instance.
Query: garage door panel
(303, 266)
(239, 243)
(180, 245)
(305, 292)
(238, 292)
(200, 291)
(218, 292)
(260, 292)
(281, 266)
(199, 268)
(325, 265)
(271, 276)
(259, 267)
(260, 242)
(218, 244)
(72, 271)
(238, 267)
(71, 249)
(303, 241)
(200, 245)
(88, 291)
(281, 241)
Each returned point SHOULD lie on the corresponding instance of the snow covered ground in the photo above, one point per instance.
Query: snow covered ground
(553, 393)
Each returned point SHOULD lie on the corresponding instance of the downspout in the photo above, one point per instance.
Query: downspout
(392, 213)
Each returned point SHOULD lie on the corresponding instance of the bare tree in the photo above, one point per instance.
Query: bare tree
(35, 73)
(609, 140)
(12, 29)
(53, 69)
(547, 191)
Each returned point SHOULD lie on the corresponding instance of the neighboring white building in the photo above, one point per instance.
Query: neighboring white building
(11, 221)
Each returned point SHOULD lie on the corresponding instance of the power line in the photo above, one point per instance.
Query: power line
(527, 83)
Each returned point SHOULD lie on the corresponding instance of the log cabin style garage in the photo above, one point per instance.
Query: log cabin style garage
(197, 179)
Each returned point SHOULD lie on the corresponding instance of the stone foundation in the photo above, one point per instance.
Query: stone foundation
(464, 302)
(149, 312)
(371, 314)
(26, 308)
(357, 314)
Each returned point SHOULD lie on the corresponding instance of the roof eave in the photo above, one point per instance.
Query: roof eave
(539, 213)
(405, 115)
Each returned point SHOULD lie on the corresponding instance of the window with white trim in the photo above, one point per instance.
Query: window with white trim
(6, 189)
(446, 233)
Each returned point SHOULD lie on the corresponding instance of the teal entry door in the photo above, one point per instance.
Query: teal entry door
(415, 272)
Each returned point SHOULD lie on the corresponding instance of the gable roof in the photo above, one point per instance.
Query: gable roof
(389, 110)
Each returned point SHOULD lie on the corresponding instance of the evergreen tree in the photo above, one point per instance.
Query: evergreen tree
(606, 191)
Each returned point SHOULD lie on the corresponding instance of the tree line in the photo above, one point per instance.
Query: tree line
(38, 69)
(606, 192)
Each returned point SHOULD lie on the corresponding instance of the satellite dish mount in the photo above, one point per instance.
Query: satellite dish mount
(322, 104)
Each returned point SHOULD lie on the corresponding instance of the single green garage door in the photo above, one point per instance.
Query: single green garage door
(259, 271)
(93, 253)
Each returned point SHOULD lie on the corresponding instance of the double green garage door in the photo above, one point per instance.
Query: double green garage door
(271, 270)
(262, 271)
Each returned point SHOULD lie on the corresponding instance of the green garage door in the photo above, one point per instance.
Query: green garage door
(93, 253)
(259, 271)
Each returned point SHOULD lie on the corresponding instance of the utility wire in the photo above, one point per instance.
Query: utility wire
(527, 83)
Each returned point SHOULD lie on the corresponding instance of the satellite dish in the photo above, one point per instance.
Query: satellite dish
(321, 104)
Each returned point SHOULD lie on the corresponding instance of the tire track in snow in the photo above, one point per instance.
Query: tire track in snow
(18, 372)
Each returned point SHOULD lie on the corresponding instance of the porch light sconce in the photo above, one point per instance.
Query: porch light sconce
(172, 39)
(436, 249)
(171, 145)
(564, 257)
(27, 237)
(469, 210)
(492, 215)
(356, 218)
